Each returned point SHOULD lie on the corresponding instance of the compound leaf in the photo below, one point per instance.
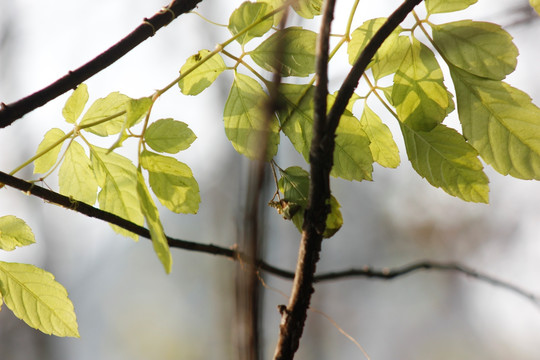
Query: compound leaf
(14, 232)
(481, 48)
(112, 104)
(76, 176)
(443, 6)
(36, 298)
(151, 215)
(172, 182)
(293, 46)
(382, 144)
(47, 160)
(75, 104)
(245, 118)
(203, 76)
(168, 135)
(247, 14)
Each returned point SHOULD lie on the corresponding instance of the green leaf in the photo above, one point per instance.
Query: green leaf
(247, 14)
(75, 104)
(307, 8)
(76, 176)
(536, 5)
(117, 177)
(36, 298)
(443, 6)
(14, 233)
(481, 48)
(419, 94)
(294, 184)
(151, 215)
(352, 156)
(168, 135)
(113, 104)
(446, 160)
(293, 46)
(382, 144)
(501, 122)
(136, 110)
(172, 182)
(245, 118)
(203, 76)
(46, 161)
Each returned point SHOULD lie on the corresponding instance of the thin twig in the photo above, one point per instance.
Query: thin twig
(11, 112)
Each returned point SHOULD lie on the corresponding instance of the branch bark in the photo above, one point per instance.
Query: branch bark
(11, 112)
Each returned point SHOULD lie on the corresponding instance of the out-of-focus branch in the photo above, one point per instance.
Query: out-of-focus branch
(11, 112)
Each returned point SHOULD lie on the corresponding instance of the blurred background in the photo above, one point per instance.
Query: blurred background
(127, 308)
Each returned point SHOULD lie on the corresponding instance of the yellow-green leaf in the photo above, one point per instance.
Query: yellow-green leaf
(443, 6)
(49, 150)
(117, 177)
(36, 298)
(536, 5)
(245, 118)
(382, 144)
(481, 48)
(446, 160)
(419, 94)
(307, 8)
(14, 232)
(501, 122)
(113, 104)
(203, 76)
(247, 14)
(151, 215)
(172, 182)
(168, 135)
(76, 176)
(75, 104)
(294, 46)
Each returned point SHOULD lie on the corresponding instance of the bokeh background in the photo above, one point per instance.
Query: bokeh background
(128, 308)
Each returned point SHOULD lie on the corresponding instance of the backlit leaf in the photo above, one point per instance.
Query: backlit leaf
(536, 5)
(501, 122)
(76, 176)
(245, 118)
(382, 144)
(136, 109)
(297, 47)
(419, 94)
(247, 14)
(113, 104)
(117, 177)
(443, 6)
(151, 215)
(203, 76)
(75, 104)
(307, 8)
(168, 135)
(36, 298)
(14, 232)
(46, 161)
(481, 48)
(172, 182)
(446, 160)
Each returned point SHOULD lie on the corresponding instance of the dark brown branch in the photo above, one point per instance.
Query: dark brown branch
(11, 112)
(293, 316)
(351, 81)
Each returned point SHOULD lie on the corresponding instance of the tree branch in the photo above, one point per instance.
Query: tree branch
(11, 112)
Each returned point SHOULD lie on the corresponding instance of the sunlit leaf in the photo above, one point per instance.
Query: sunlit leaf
(14, 232)
(136, 109)
(168, 135)
(117, 177)
(382, 144)
(419, 94)
(294, 46)
(36, 298)
(501, 122)
(446, 160)
(172, 182)
(203, 76)
(151, 215)
(536, 5)
(247, 14)
(307, 8)
(481, 48)
(46, 161)
(245, 118)
(75, 104)
(113, 104)
(76, 176)
(443, 6)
